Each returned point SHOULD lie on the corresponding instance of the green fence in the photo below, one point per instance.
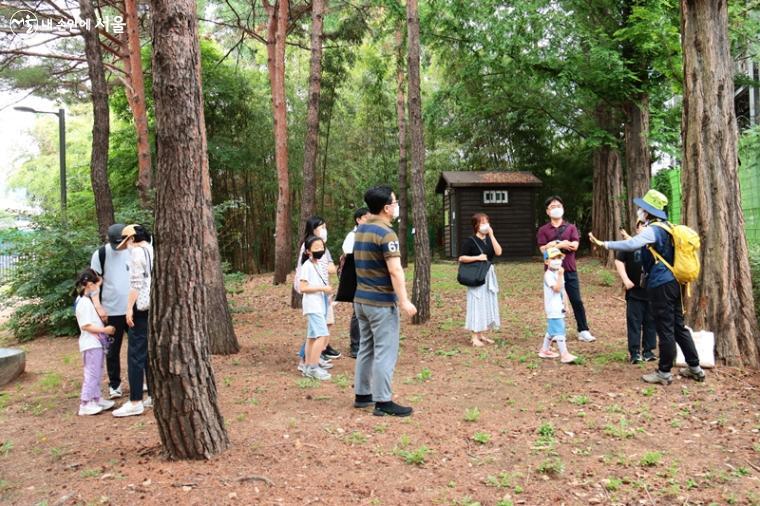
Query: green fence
(749, 183)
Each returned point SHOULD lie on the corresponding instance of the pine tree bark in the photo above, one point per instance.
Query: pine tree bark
(403, 162)
(722, 298)
(136, 100)
(187, 413)
(607, 208)
(100, 125)
(637, 158)
(421, 283)
(277, 25)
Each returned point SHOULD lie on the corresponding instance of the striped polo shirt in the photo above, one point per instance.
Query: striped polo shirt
(375, 242)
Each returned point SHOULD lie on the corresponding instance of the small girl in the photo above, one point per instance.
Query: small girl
(554, 304)
(315, 289)
(92, 343)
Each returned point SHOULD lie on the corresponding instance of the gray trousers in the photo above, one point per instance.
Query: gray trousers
(378, 350)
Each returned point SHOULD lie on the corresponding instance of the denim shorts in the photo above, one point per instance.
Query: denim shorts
(316, 326)
(555, 327)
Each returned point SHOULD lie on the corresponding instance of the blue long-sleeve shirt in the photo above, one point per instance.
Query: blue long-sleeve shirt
(646, 237)
(657, 273)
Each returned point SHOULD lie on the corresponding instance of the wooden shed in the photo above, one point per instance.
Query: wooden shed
(508, 198)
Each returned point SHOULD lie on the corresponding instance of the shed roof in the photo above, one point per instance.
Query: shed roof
(483, 178)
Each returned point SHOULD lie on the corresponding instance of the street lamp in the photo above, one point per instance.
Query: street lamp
(61, 147)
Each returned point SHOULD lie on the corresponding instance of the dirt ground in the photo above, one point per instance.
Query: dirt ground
(491, 426)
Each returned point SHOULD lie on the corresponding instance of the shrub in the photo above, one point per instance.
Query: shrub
(52, 254)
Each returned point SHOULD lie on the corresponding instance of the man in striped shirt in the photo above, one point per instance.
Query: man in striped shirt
(380, 292)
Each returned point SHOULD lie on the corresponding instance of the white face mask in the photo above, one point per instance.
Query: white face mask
(484, 228)
(556, 212)
(641, 215)
(396, 211)
(322, 233)
(555, 263)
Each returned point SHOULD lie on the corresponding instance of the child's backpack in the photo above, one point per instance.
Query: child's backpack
(686, 242)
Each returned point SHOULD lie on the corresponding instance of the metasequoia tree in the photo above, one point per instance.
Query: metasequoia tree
(722, 298)
(187, 412)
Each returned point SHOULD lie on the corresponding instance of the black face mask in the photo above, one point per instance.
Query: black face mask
(318, 254)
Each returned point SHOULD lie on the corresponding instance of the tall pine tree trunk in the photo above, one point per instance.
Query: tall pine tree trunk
(277, 25)
(722, 298)
(309, 190)
(136, 99)
(403, 162)
(637, 157)
(100, 125)
(187, 413)
(421, 284)
(607, 208)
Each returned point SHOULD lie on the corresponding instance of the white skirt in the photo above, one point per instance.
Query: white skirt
(483, 305)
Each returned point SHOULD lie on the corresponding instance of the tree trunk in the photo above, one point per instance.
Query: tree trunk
(309, 191)
(136, 101)
(421, 285)
(607, 208)
(722, 298)
(637, 159)
(187, 413)
(403, 205)
(277, 25)
(100, 125)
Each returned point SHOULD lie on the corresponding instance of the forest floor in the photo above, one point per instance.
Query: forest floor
(495, 425)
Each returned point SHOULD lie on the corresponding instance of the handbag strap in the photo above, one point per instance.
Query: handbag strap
(476, 244)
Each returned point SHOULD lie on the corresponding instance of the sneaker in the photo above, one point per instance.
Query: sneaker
(129, 408)
(390, 408)
(363, 401)
(688, 372)
(90, 408)
(637, 359)
(148, 402)
(568, 359)
(106, 404)
(649, 356)
(586, 336)
(325, 364)
(114, 393)
(331, 353)
(658, 378)
(316, 372)
(547, 353)
(353, 354)
(302, 368)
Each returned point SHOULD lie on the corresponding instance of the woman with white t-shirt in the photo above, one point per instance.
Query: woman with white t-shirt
(92, 343)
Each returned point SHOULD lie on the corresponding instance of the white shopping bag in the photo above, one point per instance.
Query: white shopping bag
(704, 341)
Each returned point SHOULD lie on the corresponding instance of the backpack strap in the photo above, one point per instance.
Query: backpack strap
(102, 258)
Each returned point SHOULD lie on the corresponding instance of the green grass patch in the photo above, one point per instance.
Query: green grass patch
(650, 459)
(551, 467)
(471, 414)
(341, 380)
(481, 437)
(50, 382)
(305, 383)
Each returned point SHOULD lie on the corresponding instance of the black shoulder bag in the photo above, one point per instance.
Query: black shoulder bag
(473, 273)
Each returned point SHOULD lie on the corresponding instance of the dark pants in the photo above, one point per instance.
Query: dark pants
(354, 333)
(573, 289)
(137, 355)
(638, 317)
(113, 358)
(668, 316)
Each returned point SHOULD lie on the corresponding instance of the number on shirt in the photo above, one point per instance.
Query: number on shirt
(393, 246)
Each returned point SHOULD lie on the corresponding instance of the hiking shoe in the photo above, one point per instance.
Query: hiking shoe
(390, 408)
(363, 401)
(148, 402)
(547, 353)
(688, 372)
(331, 353)
(89, 408)
(114, 393)
(353, 354)
(325, 364)
(586, 336)
(649, 356)
(316, 372)
(637, 359)
(129, 408)
(658, 378)
(106, 404)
